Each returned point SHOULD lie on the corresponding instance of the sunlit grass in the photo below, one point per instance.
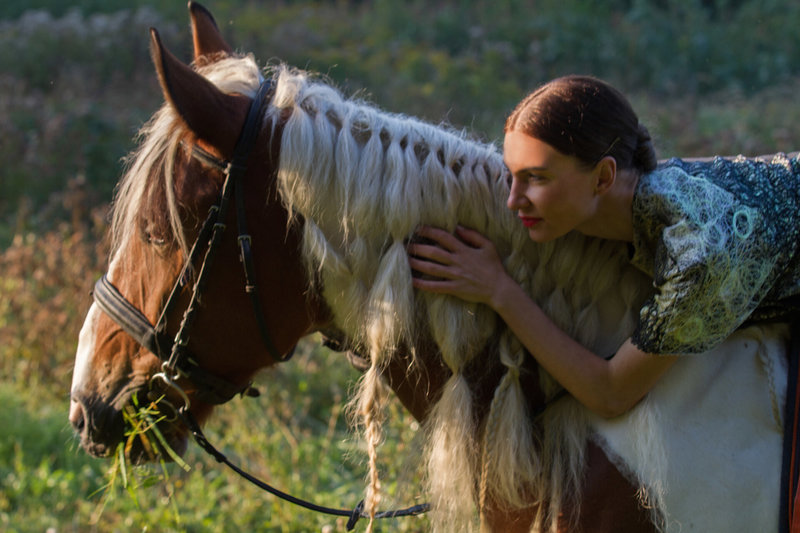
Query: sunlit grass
(141, 422)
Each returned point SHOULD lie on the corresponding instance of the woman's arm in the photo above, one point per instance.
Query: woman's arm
(467, 266)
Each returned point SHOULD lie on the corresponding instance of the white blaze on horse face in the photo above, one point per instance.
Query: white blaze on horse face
(81, 374)
(84, 356)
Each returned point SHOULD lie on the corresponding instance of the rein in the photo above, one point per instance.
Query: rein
(353, 514)
(176, 360)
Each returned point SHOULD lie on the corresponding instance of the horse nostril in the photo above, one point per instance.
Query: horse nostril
(77, 416)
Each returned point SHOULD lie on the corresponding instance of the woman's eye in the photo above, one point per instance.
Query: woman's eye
(529, 178)
(525, 178)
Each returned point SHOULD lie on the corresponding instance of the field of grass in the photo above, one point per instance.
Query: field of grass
(75, 85)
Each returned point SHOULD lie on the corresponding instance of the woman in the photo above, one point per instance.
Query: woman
(718, 237)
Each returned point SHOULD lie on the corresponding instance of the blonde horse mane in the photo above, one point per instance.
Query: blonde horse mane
(362, 180)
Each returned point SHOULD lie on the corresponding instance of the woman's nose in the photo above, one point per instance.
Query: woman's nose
(516, 199)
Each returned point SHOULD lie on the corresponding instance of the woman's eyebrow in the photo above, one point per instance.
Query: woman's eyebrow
(531, 169)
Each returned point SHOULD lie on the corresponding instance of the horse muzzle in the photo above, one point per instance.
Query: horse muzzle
(140, 426)
(99, 426)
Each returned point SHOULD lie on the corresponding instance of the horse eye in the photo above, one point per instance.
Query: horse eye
(155, 240)
(149, 238)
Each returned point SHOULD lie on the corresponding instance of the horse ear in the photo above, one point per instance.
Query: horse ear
(208, 42)
(212, 115)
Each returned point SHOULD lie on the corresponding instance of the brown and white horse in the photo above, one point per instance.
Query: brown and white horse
(331, 190)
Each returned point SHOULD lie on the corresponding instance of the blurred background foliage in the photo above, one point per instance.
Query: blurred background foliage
(76, 83)
(708, 76)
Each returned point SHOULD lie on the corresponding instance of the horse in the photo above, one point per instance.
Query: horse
(327, 192)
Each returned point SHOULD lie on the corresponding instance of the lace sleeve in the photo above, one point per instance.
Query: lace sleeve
(711, 268)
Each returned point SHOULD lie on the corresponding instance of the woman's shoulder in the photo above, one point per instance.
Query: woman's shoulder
(691, 200)
(774, 158)
(749, 179)
(738, 168)
(715, 235)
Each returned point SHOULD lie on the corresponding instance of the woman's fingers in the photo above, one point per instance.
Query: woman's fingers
(443, 238)
(464, 264)
(430, 268)
(431, 252)
(474, 238)
(433, 285)
(454, 242)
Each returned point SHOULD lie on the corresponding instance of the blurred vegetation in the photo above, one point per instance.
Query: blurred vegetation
(76, 83)
(76, 79)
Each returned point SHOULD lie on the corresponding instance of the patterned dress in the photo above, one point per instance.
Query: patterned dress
(720, 240)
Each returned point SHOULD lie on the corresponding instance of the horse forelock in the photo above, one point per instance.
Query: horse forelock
(147, 188)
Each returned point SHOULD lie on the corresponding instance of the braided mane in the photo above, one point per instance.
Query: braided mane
(362, 180)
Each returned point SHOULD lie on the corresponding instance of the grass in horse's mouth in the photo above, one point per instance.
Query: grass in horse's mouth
(143, 440)
(141, 424)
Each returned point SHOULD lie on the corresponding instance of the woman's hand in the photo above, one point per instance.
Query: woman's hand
(465, 265)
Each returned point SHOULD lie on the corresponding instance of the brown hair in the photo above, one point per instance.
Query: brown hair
(586, 118)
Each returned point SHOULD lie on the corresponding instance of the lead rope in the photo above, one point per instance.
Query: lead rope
(353, 514)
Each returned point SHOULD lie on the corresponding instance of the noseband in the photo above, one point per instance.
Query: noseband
(177, 362)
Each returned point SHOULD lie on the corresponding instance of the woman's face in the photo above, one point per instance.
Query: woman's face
(551, 192)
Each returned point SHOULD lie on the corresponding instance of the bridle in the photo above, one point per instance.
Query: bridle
(177, 362)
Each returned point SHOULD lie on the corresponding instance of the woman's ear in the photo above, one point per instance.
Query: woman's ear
(605, 174)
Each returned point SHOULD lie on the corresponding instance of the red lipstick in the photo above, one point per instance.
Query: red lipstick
(529, 222)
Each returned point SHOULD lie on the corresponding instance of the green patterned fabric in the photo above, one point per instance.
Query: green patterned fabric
(719, 238)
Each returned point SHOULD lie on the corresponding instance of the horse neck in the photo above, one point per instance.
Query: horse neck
(286, 272)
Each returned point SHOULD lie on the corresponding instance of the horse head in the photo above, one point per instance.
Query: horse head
(173, 180)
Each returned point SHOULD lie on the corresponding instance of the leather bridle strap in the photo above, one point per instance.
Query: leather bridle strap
(212, 389)
(174, 353)
(129, 318)
(236, 173)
